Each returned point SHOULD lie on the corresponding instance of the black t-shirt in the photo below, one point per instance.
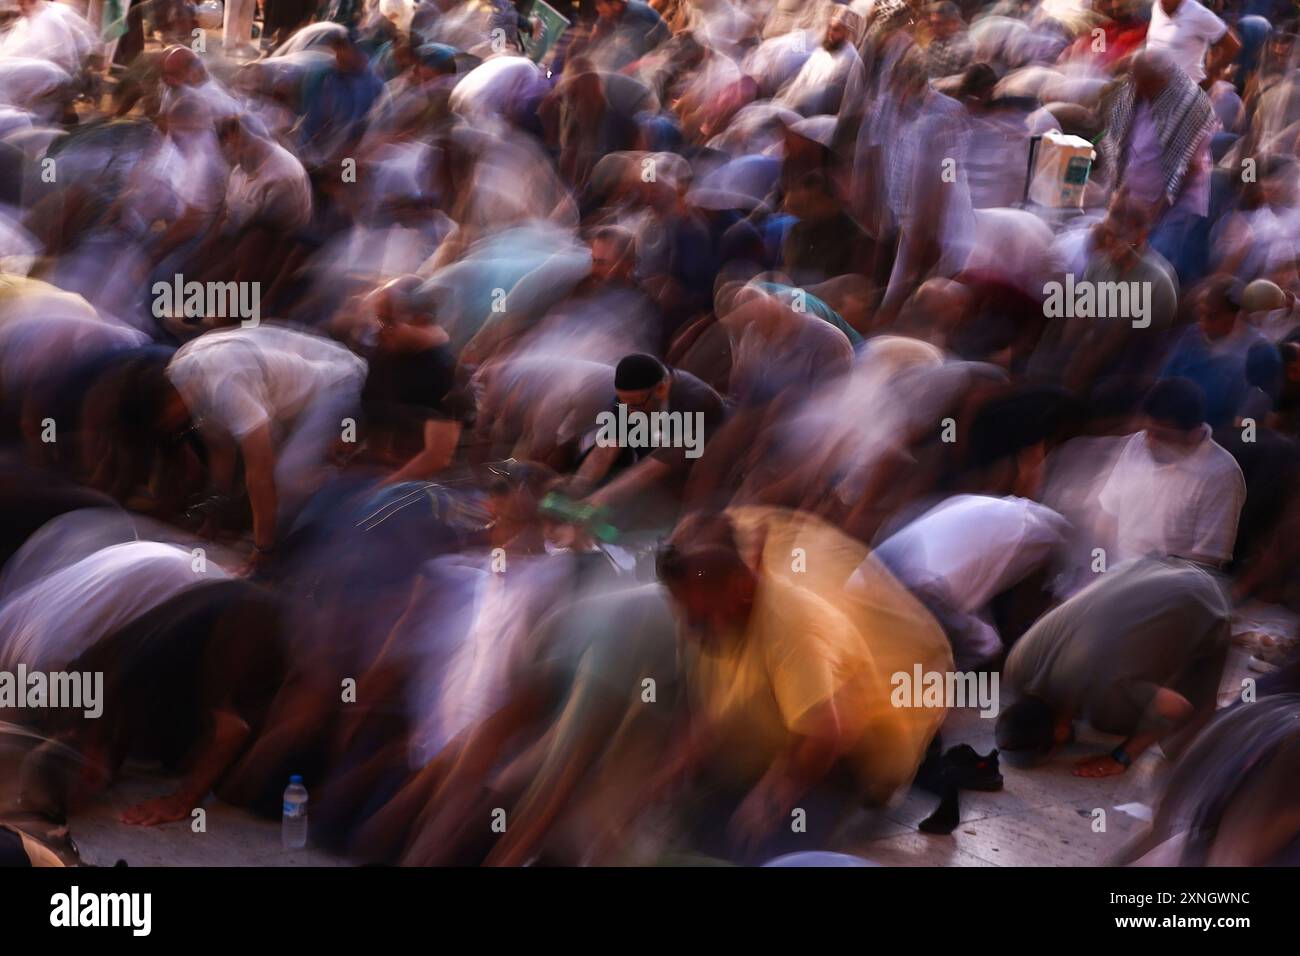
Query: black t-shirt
(404, 390)
(816, 251)
(691, 397)
(417, 379)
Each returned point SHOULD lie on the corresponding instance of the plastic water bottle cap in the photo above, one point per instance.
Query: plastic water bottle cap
(295, 778)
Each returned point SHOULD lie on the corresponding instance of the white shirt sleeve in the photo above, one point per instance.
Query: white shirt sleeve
(217, 388)
(1111, 497)
(236, 408)
(1217, 513)
(1208, 25)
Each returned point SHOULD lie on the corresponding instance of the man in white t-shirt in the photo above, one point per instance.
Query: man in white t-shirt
(1193, 37)
(59, 616)
(961, 554)
(267, 182)
(277, 396)
(1173, 491)
(267, 204)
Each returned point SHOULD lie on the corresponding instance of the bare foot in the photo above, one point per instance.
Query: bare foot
(166, 809)
(1102, 766)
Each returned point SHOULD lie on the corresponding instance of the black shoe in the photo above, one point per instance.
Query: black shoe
(946, 815)
(930, 776)
(967, 770)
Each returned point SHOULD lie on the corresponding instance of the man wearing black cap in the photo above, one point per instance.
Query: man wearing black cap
(645, 386)
(1173, 490)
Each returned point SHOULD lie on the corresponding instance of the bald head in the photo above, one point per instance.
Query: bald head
(182, 67)
(1263, 296)
(1151, 71)
(935, 309)
(941, 297)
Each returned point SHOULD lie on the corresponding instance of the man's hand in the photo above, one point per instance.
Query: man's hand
(758, 815)
(1220, 57)
(168, 809)
(752, 821)
(1103, 765)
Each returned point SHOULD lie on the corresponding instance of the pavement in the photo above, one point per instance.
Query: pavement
(1043, 816)
(230, 836)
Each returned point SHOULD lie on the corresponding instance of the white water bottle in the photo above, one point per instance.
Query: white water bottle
(293, 825)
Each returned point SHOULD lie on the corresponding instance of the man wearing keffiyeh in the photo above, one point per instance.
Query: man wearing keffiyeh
(1158, 128)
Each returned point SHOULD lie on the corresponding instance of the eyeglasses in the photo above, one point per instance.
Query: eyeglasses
(647, 402)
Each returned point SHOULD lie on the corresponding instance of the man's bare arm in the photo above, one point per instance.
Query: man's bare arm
(259, 476)
(1221, 55)
(643, 475)
(440, 440)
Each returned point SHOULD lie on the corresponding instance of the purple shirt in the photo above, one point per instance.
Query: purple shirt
(1144, 174)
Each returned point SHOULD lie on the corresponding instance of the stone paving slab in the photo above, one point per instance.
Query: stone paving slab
(233, 837)
(1042, 817)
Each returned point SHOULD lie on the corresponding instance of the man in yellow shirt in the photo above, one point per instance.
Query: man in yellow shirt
(789, 677)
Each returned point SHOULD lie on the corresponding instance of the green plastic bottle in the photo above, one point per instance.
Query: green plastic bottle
(589, 517)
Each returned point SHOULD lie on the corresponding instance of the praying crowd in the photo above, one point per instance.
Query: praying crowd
(563, 433)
